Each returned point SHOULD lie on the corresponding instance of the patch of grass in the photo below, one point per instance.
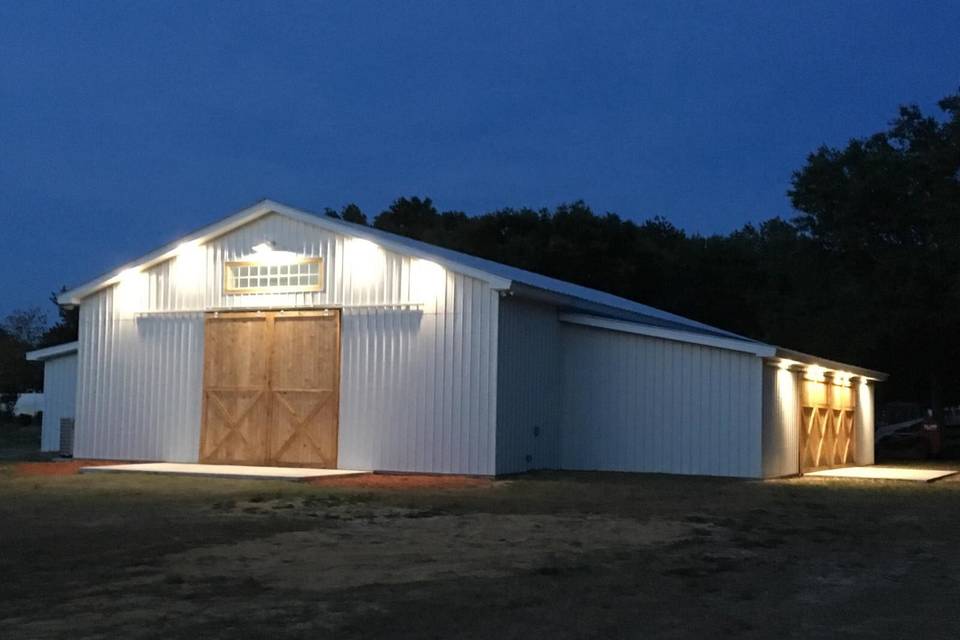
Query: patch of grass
(546, 555)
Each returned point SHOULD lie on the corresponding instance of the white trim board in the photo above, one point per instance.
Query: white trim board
(56, 351)
(719, 342)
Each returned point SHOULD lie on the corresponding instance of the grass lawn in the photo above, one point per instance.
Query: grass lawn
(547, 555)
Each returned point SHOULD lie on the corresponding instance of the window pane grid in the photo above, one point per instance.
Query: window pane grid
(302, 275)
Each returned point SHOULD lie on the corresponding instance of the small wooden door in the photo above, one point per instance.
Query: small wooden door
(827, 433)
(271, 388)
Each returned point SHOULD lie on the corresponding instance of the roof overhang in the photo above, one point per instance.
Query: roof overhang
(264, 208)
(758, 349)
(56, 351)
(788, 357)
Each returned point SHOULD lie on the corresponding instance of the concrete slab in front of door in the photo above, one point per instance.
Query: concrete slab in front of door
(875, 472)
(292, 474)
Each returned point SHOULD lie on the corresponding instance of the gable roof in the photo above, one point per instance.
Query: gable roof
(498, 276)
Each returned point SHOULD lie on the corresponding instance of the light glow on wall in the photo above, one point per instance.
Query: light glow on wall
(842, 378)
(428, 281)
(265, 253)
(815, 373)
(364, 261)
(130, 293)
(188, 267)
(786, 363)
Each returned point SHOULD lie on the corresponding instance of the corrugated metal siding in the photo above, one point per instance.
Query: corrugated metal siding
(781, 422)
(141, 374)
(419, 389)
(864, 423)
(633, 403)
(528, 387)
(139, 384)
(59, 398)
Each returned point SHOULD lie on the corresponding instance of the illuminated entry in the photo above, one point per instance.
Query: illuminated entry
(256, 276)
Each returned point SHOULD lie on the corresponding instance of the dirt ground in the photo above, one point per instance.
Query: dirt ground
(545, 555)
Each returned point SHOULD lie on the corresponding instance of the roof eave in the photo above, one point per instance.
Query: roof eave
(750, 347)
(806, 358)
(56, 351)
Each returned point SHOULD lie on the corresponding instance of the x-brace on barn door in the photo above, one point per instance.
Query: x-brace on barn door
(271, 388)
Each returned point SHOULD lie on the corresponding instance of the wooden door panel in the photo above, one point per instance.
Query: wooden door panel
(827, 434)
(271, 388)
(305, 383)
(235, 394)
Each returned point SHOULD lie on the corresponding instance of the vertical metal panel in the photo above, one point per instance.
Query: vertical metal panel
(634, 403)
(864, 423)
(138, 395)
(418, 384)
(418, 389)
(781, 422)
(59, 398)
(528, 387)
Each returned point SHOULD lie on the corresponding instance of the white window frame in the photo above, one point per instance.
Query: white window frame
(230, 276)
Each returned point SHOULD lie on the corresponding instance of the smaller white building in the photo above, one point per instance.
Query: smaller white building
(59, 389)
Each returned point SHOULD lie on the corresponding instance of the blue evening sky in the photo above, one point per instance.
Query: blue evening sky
(126, 124)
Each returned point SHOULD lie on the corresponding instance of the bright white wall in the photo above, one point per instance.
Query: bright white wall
(418, 378)
(781, 422)
(864, 423)
(59, 396)
(635, 403)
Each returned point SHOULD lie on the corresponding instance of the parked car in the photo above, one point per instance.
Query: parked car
(907, 430)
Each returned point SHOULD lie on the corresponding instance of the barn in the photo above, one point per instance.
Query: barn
(277, 337)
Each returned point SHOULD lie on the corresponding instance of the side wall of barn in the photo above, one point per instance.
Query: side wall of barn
(529, 387)
(419, 353)
(781, 422)
(638, 403)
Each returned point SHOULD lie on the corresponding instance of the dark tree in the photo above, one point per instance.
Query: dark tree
(352, 213)
(67, 327)
(884, 213)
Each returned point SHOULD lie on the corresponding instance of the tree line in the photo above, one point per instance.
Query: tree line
(867, 271)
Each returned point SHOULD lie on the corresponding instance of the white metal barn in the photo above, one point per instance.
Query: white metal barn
(59, 390)
(277, 337)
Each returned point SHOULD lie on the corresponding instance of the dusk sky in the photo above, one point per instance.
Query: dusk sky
(126, 125)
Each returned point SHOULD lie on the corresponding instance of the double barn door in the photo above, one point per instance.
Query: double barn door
(271, 385)
(827, 426)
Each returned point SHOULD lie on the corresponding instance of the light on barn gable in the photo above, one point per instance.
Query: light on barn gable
(266, 253)
(364, 261)
(428, 281)
(130, 294)
(188, 267)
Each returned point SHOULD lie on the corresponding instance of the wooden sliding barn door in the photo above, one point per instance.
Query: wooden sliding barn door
(827, 434)
(304, 388)
(235, 389)
(271, 388)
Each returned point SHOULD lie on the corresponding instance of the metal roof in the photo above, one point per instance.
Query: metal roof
(498, 276)
(571, 298)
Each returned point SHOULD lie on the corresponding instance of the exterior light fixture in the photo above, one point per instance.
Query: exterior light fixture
(815, 373)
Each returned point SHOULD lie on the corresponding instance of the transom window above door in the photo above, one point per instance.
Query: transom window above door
(250, 276)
